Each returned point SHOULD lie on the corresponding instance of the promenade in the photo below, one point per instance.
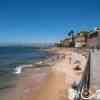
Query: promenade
(95, 69)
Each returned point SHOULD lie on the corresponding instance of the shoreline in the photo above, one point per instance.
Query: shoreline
(37, 81)
(27, 71)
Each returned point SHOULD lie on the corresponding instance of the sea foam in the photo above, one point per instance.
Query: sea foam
(18, 69)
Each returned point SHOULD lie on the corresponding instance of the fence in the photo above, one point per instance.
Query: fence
(84, 84)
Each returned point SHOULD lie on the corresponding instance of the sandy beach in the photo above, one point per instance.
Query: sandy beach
(53, 82)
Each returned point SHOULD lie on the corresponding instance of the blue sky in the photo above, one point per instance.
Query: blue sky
(29, 21)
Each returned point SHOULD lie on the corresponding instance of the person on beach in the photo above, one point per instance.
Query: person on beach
(70, 60)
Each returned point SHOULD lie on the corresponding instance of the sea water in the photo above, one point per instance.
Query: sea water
(14, 59)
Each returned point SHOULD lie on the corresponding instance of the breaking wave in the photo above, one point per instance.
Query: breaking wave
(18, 69)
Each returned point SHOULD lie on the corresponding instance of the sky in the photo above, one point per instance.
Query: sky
(40, 21)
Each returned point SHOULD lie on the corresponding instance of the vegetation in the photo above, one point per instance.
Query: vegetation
(71, 33)
(72, 36)
(85, 34)
(59, 45)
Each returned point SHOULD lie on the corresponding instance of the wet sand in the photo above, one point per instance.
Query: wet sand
(50, 83)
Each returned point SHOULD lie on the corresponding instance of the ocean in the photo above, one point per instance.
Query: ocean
(12, 59)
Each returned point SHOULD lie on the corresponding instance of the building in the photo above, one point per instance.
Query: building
(67, 42)
(98, 37)
(80, 41)
(94, 39)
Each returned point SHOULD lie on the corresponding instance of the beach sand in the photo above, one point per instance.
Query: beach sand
(50, 83)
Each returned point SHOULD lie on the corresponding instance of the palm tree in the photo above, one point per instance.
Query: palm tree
(71, 33)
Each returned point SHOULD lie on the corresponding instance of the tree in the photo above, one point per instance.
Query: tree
(60, 44)
(71, 33)
(78, 34)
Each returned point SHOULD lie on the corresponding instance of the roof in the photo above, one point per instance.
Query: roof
(67, 39)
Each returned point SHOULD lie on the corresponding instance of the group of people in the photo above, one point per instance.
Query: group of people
(57, 56)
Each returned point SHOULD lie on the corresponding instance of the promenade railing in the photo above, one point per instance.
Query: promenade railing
(84, 85)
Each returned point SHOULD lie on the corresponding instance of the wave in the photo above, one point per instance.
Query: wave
(40, 62)
(18, 70)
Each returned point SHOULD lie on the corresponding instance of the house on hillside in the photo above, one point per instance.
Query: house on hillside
(67, 42)
(80, 41)
(83, 39)
(94, 39)
(98, 37)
